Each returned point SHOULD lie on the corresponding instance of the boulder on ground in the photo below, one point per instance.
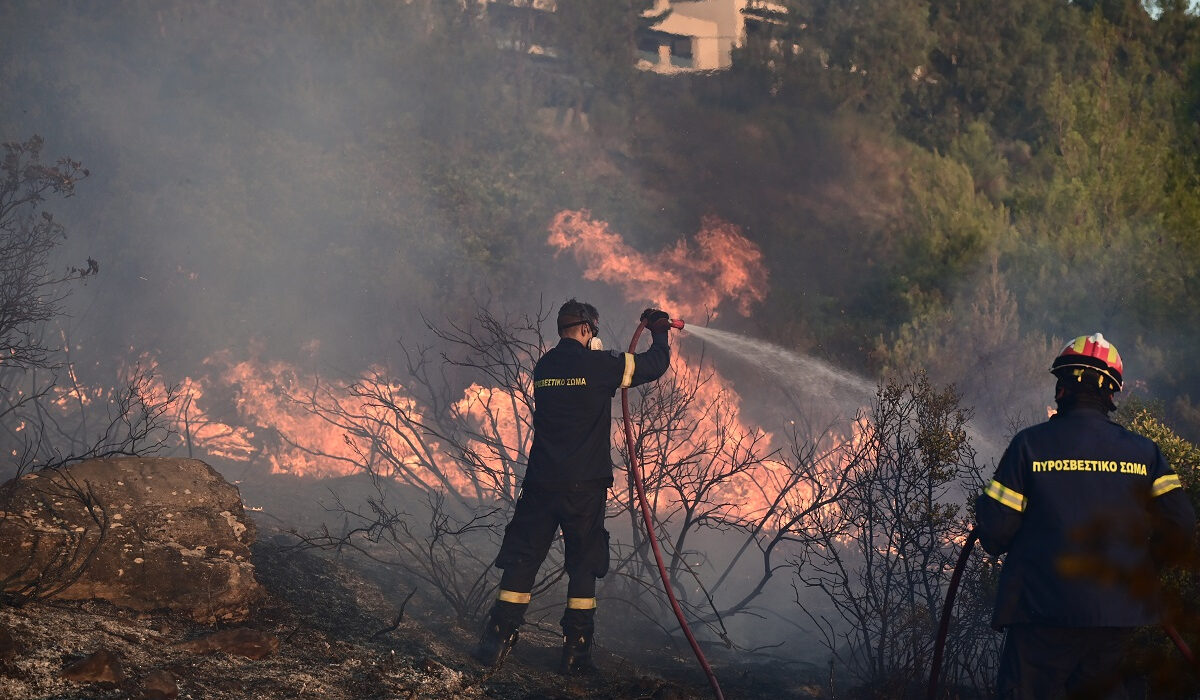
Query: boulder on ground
(142, 533)
(101, 666)
(160, 685)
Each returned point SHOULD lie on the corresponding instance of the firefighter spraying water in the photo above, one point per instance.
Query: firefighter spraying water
(567, 479)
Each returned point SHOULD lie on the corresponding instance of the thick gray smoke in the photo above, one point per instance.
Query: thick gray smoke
(234, 195)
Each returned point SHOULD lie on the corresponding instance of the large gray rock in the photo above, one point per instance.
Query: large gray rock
(142, 533)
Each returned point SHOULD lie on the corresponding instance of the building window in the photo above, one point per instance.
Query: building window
(681, 46)
(647, 46)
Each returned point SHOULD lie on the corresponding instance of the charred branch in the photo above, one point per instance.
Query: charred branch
(56, 420)
(30, 292)
(399, 615)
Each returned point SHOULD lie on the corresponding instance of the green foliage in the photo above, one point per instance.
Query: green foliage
(975, 148)
(989, 62)
(858, 56)
(977, 344)
(1183, 456)
(598, 40)
(1094, 224)
(949, 224)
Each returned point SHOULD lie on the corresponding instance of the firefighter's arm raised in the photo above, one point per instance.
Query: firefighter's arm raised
(652, 363)
(633, 369)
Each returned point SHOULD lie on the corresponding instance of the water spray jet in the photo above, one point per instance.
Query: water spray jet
(817, 376)
(820, 379)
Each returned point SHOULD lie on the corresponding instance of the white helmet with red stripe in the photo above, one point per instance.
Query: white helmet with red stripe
(1094, 353)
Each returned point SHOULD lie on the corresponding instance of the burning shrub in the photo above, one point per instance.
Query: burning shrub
(444, 463)
(444, 444)
(710, 473)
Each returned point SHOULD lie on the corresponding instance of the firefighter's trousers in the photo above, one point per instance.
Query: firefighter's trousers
(527, 539)
(1063, 662)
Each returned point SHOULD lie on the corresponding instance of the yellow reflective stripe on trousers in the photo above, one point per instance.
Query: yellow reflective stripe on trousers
(1164, 484)
(514, 597)
(581, 603)
(627, 378)
(1007, 496)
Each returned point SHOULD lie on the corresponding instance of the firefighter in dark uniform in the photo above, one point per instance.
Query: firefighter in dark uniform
(567, 478)
(1088, 513)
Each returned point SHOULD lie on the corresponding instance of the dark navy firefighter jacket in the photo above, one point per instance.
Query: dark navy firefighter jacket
(1080, 504)
(573, 388)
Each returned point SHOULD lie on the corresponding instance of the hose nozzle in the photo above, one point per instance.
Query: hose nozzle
(677, 323)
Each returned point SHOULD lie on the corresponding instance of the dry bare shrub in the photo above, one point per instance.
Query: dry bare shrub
(883, 555)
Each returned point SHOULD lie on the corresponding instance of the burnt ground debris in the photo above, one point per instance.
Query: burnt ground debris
(338, 637)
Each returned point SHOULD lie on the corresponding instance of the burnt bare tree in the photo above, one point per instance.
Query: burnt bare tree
(882, 556)
(706, 471)
(48, 417)
(30, 290)
(443, 444)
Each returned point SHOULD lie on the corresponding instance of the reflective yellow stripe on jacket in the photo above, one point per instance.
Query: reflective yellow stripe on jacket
(627, 378)
(1164, 484)
(1006, 496)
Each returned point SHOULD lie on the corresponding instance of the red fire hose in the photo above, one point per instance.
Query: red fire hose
(636, 470)
(939, 644)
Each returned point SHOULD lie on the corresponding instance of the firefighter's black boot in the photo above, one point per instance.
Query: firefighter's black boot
(500, 633)
(577, 626)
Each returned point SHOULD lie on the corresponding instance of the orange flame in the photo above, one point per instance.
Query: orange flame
(192, 422)
(274, 414)
(690, 280)
(297, 424)
(503, 433)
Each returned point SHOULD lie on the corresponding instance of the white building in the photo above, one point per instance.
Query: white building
(694, 35)
(699, 35)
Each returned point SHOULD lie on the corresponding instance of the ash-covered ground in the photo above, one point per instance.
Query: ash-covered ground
(345, 630)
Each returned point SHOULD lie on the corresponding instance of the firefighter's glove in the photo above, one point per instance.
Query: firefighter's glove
(656, 320)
